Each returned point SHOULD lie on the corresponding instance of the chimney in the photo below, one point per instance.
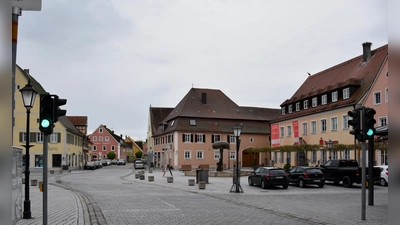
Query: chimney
(26, 71)
(204, 98)
(366, 51)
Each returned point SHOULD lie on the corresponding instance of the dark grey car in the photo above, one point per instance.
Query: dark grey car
(304, 175)
(268, 177)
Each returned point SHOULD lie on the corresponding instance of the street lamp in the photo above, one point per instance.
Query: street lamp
(330, 147)
(236, 185)
(28, 97)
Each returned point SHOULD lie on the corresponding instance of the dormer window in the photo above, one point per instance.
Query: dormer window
(324, 99)
(172, 123)
(314, 102)
(346, 93)
(101, 130)
(290, 108)
(305, 104)
(192, 122)
(334, 96)
(297, 106)
(283, 110)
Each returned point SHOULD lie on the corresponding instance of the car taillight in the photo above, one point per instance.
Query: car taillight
(306, 175)
(387, 173)
(358, 172)
(267, 175)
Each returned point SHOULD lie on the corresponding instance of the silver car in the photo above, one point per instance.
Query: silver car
(139, 164)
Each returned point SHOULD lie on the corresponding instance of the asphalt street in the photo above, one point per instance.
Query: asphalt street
(113, 195)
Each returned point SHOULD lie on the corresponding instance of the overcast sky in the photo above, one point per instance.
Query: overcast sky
(112, 59)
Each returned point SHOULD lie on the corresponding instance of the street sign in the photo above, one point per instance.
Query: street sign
(32, 5)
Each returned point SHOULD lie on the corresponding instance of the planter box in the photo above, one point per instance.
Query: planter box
(191, 182)
(33, 182)
(150, 178)
(141, 176)
(60, 171)
(137, 176)
(202, 185)
(170, 179)
(51, 171)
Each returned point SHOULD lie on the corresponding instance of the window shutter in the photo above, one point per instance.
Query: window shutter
(191, 138)
(183, 137)
(195, 138)
(228, 139)
(58, 137)
(212, 138)
(21, 134)
(204, 138)
(32, 137)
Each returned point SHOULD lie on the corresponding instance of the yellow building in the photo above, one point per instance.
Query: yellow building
(131, 153)
(65, 144)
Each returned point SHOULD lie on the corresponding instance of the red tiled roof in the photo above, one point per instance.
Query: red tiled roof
(78, 120)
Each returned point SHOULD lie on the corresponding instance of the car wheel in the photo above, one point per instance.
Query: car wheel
(321, 185)
(250, 183)
(285, 186)
(383, 182)
(263, 186)
(347, 182)
(301, 183)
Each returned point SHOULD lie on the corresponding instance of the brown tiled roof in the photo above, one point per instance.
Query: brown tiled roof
(78, 120)
(354, 73)
(214, 111)
(69, 126)
(158, 114)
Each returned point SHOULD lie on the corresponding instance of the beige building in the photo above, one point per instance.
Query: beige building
(317, 112)
(65, 144)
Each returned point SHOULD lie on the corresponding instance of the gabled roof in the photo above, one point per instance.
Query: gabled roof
(355, 73)
(157, 115)
(69, 126)
(78, 120)
(119, 139)
(36, 85)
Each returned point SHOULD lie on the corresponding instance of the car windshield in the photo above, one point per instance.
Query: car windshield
(139, 162)
(313, 170)
(277, 172)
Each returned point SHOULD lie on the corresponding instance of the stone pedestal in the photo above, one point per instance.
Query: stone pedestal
(60, 171)
(150, 178)
(202, 185)
(51, 171)
(137, 176)
(191, 182)
(141, 176)
(33, 182)
(170, 179)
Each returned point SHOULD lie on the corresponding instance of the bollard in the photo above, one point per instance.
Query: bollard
(202, 185)
(170, 179)
(150, 171)
(51, 171)
(141, 176)
(150, 178)
(60, 171)
(23, 180)
(191, 182)
(33, 182)
(41, 186)
(137, 176)
(69, 170)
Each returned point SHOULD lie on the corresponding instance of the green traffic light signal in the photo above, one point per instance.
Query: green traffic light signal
(46, 114)
(370, 132)
(45, 123)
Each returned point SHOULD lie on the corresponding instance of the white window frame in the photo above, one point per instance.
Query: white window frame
(346, 93)
(290, 108)
(334, 123)
(199, 138)
(334, 96)
(199, 154)
(106, 138)
(289, 157)
(305, 104)
(101, 138)
(232, 154)
(313, 125)
(314, 156)
(377, 101)
(232, 139)
(53, 138)
(112, 147)
(345, 122)
(283, 111)
(314, 102)
(305, 128)
(217, 137)
(39, 137)
(381, 119)
(187, 154)
(217, 154)
(282, 157)
(323, 125)
(346, 154)
(94, 138)
(104, 147)
(297, 106)
(282, 132)
(94, 148)
(324, 99)
(289, 131)
(188, 138)
(101, 130)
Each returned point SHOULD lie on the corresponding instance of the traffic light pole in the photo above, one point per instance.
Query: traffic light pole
(45, 168)
(363, 179)
(371, 172)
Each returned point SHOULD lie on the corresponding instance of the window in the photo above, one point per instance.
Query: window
(232, 155)
(290, 108)
(282, 133)
(323, 156)
(281, 158)
(334, 124)
(382, 121)
(297, 106)
(39, 137)
(251, 140)
(101, 130)
(275, 156)
(345, 122)
(335, 155)
(104, 148)
(172, 123)
(112, 148)
(200, 138)
(314, 102)
(323, 125)
(384, 158)
(314, 156)
(289, 157)
(94, 148)
(54, 138)
(346, 154)
(107, 138)
(313, 127)
(199, 154)
(346, 93)
(188, 154)
(283, 110)
(386, 95)
(101, 138)
(192, 122)
(305, 104)
(94, 138)
(216, 154)
(187, 138)
(324, 99)
(377, 98)
(304, 128)
(334, 96)
(216, 137)
(289, 131)
(232, 139)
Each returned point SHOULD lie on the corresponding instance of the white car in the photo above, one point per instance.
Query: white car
(384, 181)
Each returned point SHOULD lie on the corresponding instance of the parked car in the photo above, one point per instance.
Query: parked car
(108, 162)
(89, 166)
(96, 164)
(304, 175)
(138, 164)
(114, 162)
(104, 162)
(269, 176)
(121, 162)
(384, 179)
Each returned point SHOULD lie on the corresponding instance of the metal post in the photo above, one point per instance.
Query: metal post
(371, 172)
(363, 178)
(27, 202)
(45, 171)
(236, 185)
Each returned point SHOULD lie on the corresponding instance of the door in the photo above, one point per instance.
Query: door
(250, 159)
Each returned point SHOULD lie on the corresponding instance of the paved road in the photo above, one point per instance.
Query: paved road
(112, 195)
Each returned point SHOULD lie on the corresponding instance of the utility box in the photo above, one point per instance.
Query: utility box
(201, 175)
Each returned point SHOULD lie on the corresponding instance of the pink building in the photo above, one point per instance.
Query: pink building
(105, 141)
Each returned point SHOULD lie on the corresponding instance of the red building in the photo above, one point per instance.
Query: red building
(105, 141)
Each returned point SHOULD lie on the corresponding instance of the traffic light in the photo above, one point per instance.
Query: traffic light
(46, 123)
(57, 112)
(355, 123)
(368, 122)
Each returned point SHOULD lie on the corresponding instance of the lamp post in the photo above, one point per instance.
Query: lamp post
(28, 97)
(236, 185)
(330, 147)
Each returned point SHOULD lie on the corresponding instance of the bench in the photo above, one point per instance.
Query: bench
(204, 167)
(186, 168)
